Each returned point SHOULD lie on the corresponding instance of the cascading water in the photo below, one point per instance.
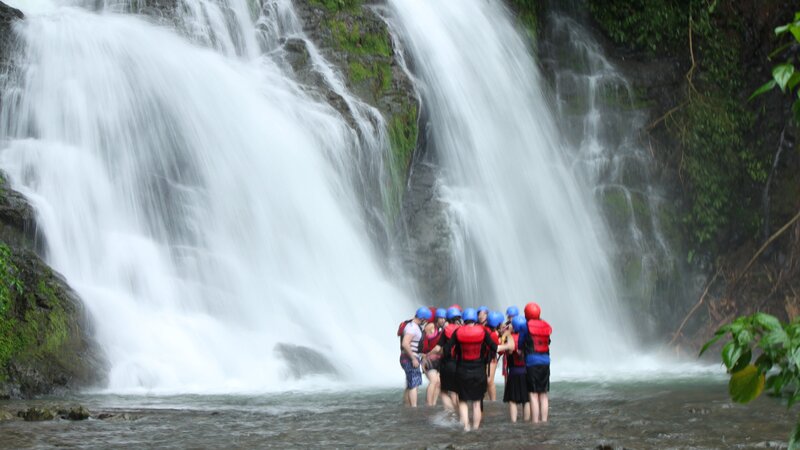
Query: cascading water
(195, 199)
(523, 229)
(599, 116)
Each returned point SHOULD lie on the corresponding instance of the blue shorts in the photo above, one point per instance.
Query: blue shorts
(413, 374)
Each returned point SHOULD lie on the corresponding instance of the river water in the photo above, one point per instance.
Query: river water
(670, 413)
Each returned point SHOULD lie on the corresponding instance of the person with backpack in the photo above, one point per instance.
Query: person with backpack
(410, 333)
(516, 392)
(472, 346)
(492, 325)
(447, 367)
(535, 339)
(432, 360)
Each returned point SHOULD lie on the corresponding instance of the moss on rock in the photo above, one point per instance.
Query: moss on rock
(357, 40)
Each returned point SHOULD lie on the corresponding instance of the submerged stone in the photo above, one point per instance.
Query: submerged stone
(303, 361)
(34, 414)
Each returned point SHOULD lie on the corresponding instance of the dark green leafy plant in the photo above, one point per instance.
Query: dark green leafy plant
(776, 368)
(786, 75)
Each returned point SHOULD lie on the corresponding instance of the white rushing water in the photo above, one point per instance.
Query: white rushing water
(196, 199)
(524, 227)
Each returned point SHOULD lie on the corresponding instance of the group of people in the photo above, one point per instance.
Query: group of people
(458, 350)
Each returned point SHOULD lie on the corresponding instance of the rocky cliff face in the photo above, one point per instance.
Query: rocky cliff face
(728, 165)
(44, 333)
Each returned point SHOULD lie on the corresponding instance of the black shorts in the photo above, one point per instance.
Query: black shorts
(432, 364)
(471, 381)
(447, 376)
(516, 386)
(538, 378)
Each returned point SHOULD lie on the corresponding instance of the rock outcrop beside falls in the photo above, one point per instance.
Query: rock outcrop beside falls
(44, 343)
(353, 37)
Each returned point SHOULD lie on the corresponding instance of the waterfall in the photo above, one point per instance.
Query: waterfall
(203, 205)
(524, 227)
(599, 114)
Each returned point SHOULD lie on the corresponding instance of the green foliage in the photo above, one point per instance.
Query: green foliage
(379, 74)
(649, 25)
(403, 132)
(351, 39)
(338, 5)
(9, 279)
(716, 164)
(527, 15)
(785, 75)
(777, 367)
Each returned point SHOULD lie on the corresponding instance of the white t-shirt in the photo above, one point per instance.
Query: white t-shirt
(416, 334)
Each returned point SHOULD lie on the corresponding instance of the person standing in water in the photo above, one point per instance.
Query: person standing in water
(472, 347)
(483, 315)
(516, 392)
(493, 323)
(535, 339)
(447, 372)
(410, 338)
(431, 361)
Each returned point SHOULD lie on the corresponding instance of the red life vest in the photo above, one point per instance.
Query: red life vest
(539, 333)
(470, 341)
(446, 334)
(430, 340)
(401, 331)
(515, 358)
(496, 339)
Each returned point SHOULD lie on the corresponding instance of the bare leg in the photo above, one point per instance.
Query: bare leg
(463, 414)
(545, 405)
(454, 398)
(432, 391)
(512, 411)
(535, 406)
(476, 415)
(447, 402)
(438, 389)
(412, 397)
(405, 397)
(526, 412)
(491, 389)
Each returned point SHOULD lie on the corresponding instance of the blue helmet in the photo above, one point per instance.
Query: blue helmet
(423, 313)
(495, 319)
(441, 313)
(483, 308)
(470, 315)
(453, 313)
(519, 323)
(512, 311)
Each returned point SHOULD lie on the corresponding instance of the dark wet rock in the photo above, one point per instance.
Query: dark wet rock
(18, 220)
(427, 254)
(45, 332)
(358, 42)
(303, 361)
(121, 417)
(8, 16)
(34, 414)
(74, 413)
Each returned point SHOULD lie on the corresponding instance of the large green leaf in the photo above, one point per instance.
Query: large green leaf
(765, 88)
(768, 321)
(746, 384)
(795, 30)
(781, 73)
(730, 354)
(794, 439)
(774, 338)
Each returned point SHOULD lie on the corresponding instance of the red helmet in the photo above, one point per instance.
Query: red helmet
(457, 306)
(532, 311)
